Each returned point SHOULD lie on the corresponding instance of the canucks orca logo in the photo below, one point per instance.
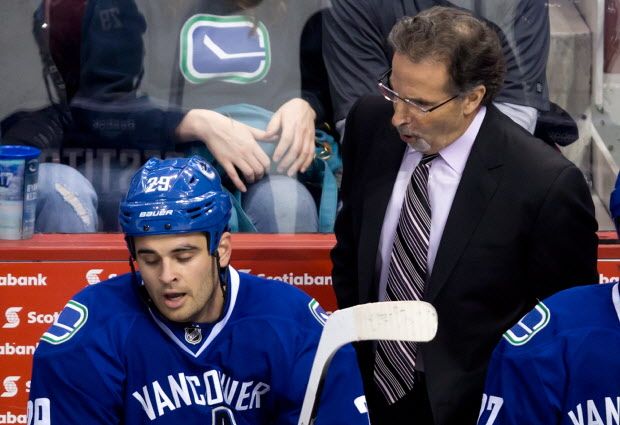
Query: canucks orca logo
(228, 48)
(529, 325)
(68, 323)
(193, 335)
(207, 171)
(317, 311)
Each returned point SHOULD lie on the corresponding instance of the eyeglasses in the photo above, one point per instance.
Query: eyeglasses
(389, 94)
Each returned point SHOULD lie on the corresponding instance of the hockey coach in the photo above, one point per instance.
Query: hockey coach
(187, 339)
(447, 200)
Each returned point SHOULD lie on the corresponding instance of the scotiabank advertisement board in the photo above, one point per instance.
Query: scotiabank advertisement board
(609, 270)
(32, 293)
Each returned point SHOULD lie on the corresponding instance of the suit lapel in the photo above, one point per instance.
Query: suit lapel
(476, 189)
(386, 157)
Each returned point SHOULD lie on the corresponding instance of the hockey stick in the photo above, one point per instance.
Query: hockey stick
(391, 320)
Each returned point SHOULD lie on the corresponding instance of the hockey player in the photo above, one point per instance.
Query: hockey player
(187, 339)
(559, 364)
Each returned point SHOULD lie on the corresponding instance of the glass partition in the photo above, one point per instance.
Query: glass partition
(100, 86)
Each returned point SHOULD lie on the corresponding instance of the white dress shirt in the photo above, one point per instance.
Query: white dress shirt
(444, 177)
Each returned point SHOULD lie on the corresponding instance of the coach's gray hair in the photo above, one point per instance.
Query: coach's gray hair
(469, 48)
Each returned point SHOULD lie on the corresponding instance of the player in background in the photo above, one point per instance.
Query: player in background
(187, 339)
(559, 364)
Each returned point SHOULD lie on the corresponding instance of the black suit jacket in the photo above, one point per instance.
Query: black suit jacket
(520, 228)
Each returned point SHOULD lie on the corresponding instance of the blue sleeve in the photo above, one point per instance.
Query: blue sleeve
(77, 374)
(524, 385)
(342, 398)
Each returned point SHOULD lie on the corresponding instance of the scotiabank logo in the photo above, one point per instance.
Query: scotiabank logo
(608, 279)
(11, 349)
(12, 319)
(10, 386)
(12, 280)
(94, 276)
(13, 418)
(306, 279)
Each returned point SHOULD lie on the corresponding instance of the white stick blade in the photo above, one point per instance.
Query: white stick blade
(390, 320)
(393, 320)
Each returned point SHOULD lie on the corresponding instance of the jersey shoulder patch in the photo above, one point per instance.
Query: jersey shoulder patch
(317, 312)
(70, 320)
(532, 323)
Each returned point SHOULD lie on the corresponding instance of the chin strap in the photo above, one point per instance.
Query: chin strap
(222, 273)
(144, 295)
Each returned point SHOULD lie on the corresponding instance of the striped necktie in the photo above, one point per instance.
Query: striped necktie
(395, 360)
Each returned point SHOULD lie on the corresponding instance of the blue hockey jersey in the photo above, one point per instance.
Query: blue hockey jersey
(110, 359)
(560, 364)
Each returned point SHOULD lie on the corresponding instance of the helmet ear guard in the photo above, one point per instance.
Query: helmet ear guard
(179, 195)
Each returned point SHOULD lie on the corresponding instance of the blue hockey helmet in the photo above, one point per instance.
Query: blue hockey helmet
(179, 195)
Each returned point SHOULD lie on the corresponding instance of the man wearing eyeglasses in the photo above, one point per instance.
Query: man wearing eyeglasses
(355, 33)
(470, 213)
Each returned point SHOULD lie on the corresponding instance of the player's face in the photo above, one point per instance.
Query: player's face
(427, 84)
(180, 275)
